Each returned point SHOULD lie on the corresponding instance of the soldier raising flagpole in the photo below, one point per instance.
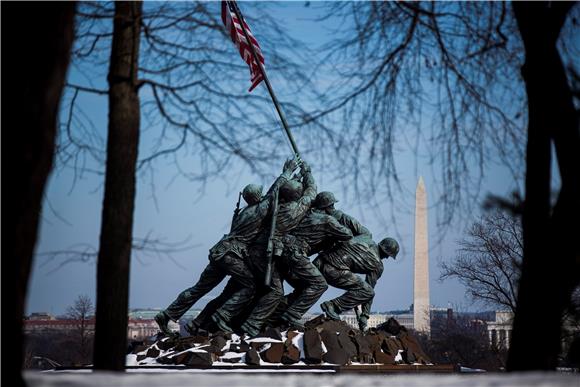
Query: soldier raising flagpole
(250, 51)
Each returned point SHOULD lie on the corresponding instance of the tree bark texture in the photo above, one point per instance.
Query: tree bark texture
(34, 68)
(114, 258)
(551, 255)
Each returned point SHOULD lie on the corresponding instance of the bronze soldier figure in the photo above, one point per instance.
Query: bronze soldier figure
(228, 257)
(295, 200)
(317, 232)
(359, 255)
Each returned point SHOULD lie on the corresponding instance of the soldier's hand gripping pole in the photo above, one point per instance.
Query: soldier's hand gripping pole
(270, 248)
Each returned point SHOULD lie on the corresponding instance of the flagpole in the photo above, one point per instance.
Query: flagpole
(268, 85)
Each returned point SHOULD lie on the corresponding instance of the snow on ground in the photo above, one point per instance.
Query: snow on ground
(184, 378)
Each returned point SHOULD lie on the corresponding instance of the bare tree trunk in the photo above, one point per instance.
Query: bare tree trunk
(550, 249)
(34, 67)
(117, 216)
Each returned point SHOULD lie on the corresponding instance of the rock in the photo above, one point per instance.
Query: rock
(364, 353)
(391, 345)
(273, 354)
(166, 344)
(259, 346)
(316, 321)
(152, 352)
(182, 358)
(383, 358)
(231, 359)
(374, 341)
(225, 335)
(272, 333)
(200, 359)
(347, 346)
(291, 353)
(141, 357)
(338, 326)
(211, 349)
(240, 348)
(218, 342)
(411, 345)
(252, 357)
(391, 326)
(291, 335)
(334, 352)
(312, 347)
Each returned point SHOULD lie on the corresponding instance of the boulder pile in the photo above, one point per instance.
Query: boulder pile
(322, 342)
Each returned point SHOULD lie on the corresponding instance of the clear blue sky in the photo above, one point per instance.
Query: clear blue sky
(177, 209)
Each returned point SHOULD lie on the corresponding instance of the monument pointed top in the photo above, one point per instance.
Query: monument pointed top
(421, 183)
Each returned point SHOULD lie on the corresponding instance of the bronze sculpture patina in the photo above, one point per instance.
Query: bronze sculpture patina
(315, 233)
(288, 225)
(228, 257)
(341, 264)
(360, 255)
(296, 198)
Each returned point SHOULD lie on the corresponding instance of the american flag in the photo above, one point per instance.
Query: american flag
(232, 25)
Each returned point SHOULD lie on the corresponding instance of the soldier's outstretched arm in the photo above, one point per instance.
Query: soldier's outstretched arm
(308, 195)
(289, 166)
(310, 188)
(339, 232)
(354, 225)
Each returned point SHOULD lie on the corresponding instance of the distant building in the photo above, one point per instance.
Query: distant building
(41, 316)
(52, 325)
(137, 328)
(142, 328)
(499, 331)
(142, 322)
(376, 319)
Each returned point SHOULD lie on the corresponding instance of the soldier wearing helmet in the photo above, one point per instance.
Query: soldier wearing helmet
(341, 263)
(296, 199)
(315, 233)
(389, 247)
(228, 257)
(340, 266)
(252, 194)
(324, 202)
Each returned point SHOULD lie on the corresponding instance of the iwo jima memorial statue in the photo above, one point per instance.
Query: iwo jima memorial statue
(271, 240)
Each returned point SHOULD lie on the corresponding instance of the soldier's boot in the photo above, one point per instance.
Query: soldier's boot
(328, 308)
(295, 325)
(192, 328)
(221, 323)
(249, 330)
(162, 319)
(290, 323)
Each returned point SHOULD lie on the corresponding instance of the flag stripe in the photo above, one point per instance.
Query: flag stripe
(233, 26)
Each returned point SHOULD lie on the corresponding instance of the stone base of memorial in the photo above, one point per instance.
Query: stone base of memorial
(324, 345)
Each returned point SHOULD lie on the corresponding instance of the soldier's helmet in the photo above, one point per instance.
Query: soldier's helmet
(324, 199)
(389, 247)
(252, 193)
(291, 190)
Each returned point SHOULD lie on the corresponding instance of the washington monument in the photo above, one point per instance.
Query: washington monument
(421, 279)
